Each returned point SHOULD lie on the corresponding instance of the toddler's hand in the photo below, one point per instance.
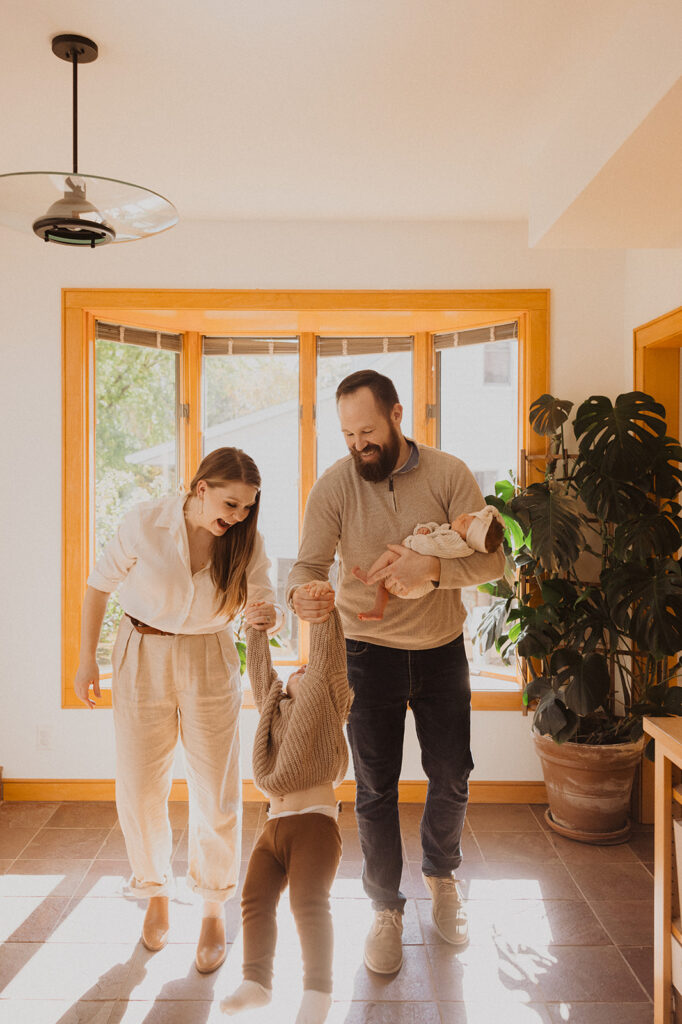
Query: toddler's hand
(313, 601)
(318, 589)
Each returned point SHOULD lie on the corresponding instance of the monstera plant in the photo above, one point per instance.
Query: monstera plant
(592, 597)
(591, 601)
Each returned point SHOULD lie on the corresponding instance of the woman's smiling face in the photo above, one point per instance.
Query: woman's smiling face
(224, 505)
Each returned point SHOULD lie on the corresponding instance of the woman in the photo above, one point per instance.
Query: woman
(184, 567)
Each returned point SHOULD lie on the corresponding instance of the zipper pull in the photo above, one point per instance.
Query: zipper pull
(392, 491)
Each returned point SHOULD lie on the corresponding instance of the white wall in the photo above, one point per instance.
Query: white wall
(653, 285)
(590, 353)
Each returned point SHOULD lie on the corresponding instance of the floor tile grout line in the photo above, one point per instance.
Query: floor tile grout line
(632, 971)
(605, 927)
(68, 907)
(28, 843)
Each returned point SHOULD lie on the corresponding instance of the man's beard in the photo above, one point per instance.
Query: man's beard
(383, 465)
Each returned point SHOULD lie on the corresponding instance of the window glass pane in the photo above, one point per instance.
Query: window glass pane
(332, 368)
(251, 402)
(478, 418)
(136, 441)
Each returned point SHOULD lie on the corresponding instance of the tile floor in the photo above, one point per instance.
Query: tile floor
(560, 932)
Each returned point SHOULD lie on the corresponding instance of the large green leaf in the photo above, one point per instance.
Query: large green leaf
(667, 469)
(492, 625)
(513, 533)
(607, 498)
(553, 718)
(646, 601)
(585, 678)
(500, 588)
(654, 535)
(541, 631)
(535, 689)
(554, 522)
(559, 592)
(548, 414)
(620, 439)
(504, 489)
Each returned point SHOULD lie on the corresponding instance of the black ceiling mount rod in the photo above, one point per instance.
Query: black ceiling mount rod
(75, 49)
(75, 110)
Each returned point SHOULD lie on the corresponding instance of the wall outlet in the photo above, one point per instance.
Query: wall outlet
(44, 739)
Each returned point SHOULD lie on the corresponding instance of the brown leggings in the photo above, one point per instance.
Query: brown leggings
(303, 849)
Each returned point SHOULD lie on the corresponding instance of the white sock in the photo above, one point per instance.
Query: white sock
(248, 996)
(314, 1007)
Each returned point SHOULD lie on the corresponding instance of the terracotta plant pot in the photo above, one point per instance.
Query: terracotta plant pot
(589, 788)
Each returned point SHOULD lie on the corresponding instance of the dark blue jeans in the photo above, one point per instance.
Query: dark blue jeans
(435, 682)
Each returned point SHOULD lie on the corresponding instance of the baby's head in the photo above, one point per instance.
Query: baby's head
(494, 534)
(294, 682)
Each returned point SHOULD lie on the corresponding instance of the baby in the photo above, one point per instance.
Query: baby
(299, 755)
(469, 532)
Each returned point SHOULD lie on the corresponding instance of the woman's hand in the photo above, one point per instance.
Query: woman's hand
(87, 675)
(402, 568)
(313, 601)
(260, 615)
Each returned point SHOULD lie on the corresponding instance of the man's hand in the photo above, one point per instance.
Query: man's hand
(383, 561)
(313, 601)
(405, 568)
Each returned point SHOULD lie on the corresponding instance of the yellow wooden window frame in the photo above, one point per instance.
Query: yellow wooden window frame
(267, 313)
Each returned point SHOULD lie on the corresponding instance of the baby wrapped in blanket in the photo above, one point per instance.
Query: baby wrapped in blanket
(469, 532)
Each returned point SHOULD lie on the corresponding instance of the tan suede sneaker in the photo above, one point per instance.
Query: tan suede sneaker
(449, 916)
(384, 942)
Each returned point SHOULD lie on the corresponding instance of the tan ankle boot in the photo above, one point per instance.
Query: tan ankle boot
(212, 946)
(155, 926)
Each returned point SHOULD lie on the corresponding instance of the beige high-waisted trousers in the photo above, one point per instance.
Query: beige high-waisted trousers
(165, 687)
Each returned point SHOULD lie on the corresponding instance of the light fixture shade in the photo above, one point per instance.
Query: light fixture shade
(108, 209)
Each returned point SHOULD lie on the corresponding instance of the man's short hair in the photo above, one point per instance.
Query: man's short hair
(383, 388)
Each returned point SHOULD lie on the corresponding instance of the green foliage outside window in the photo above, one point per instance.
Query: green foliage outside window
(135, 410)
(241, 385)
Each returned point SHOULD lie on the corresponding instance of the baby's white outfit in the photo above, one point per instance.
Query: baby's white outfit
(444, 542)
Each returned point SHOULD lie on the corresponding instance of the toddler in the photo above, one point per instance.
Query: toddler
(469, 532)
(299, 755)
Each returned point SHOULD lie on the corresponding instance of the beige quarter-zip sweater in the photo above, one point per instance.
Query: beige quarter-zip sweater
(356, 519)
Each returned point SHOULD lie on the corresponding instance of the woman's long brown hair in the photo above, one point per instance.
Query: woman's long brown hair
(232, 552)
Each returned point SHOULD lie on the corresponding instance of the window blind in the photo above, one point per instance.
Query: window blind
(361, 346)
(477, 335)
(219, 346)
(138, 336)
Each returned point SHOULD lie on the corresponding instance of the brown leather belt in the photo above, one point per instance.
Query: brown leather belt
(142, 627)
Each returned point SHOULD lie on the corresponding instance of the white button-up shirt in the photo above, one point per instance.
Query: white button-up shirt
(148, 562)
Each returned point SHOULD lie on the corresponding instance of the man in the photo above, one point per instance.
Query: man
(376, 496)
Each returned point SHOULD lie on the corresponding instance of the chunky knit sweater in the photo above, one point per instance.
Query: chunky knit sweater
(300, 743)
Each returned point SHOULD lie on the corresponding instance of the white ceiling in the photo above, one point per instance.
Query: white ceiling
(357, 109)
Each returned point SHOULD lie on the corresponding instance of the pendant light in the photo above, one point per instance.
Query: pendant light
(81, 209)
